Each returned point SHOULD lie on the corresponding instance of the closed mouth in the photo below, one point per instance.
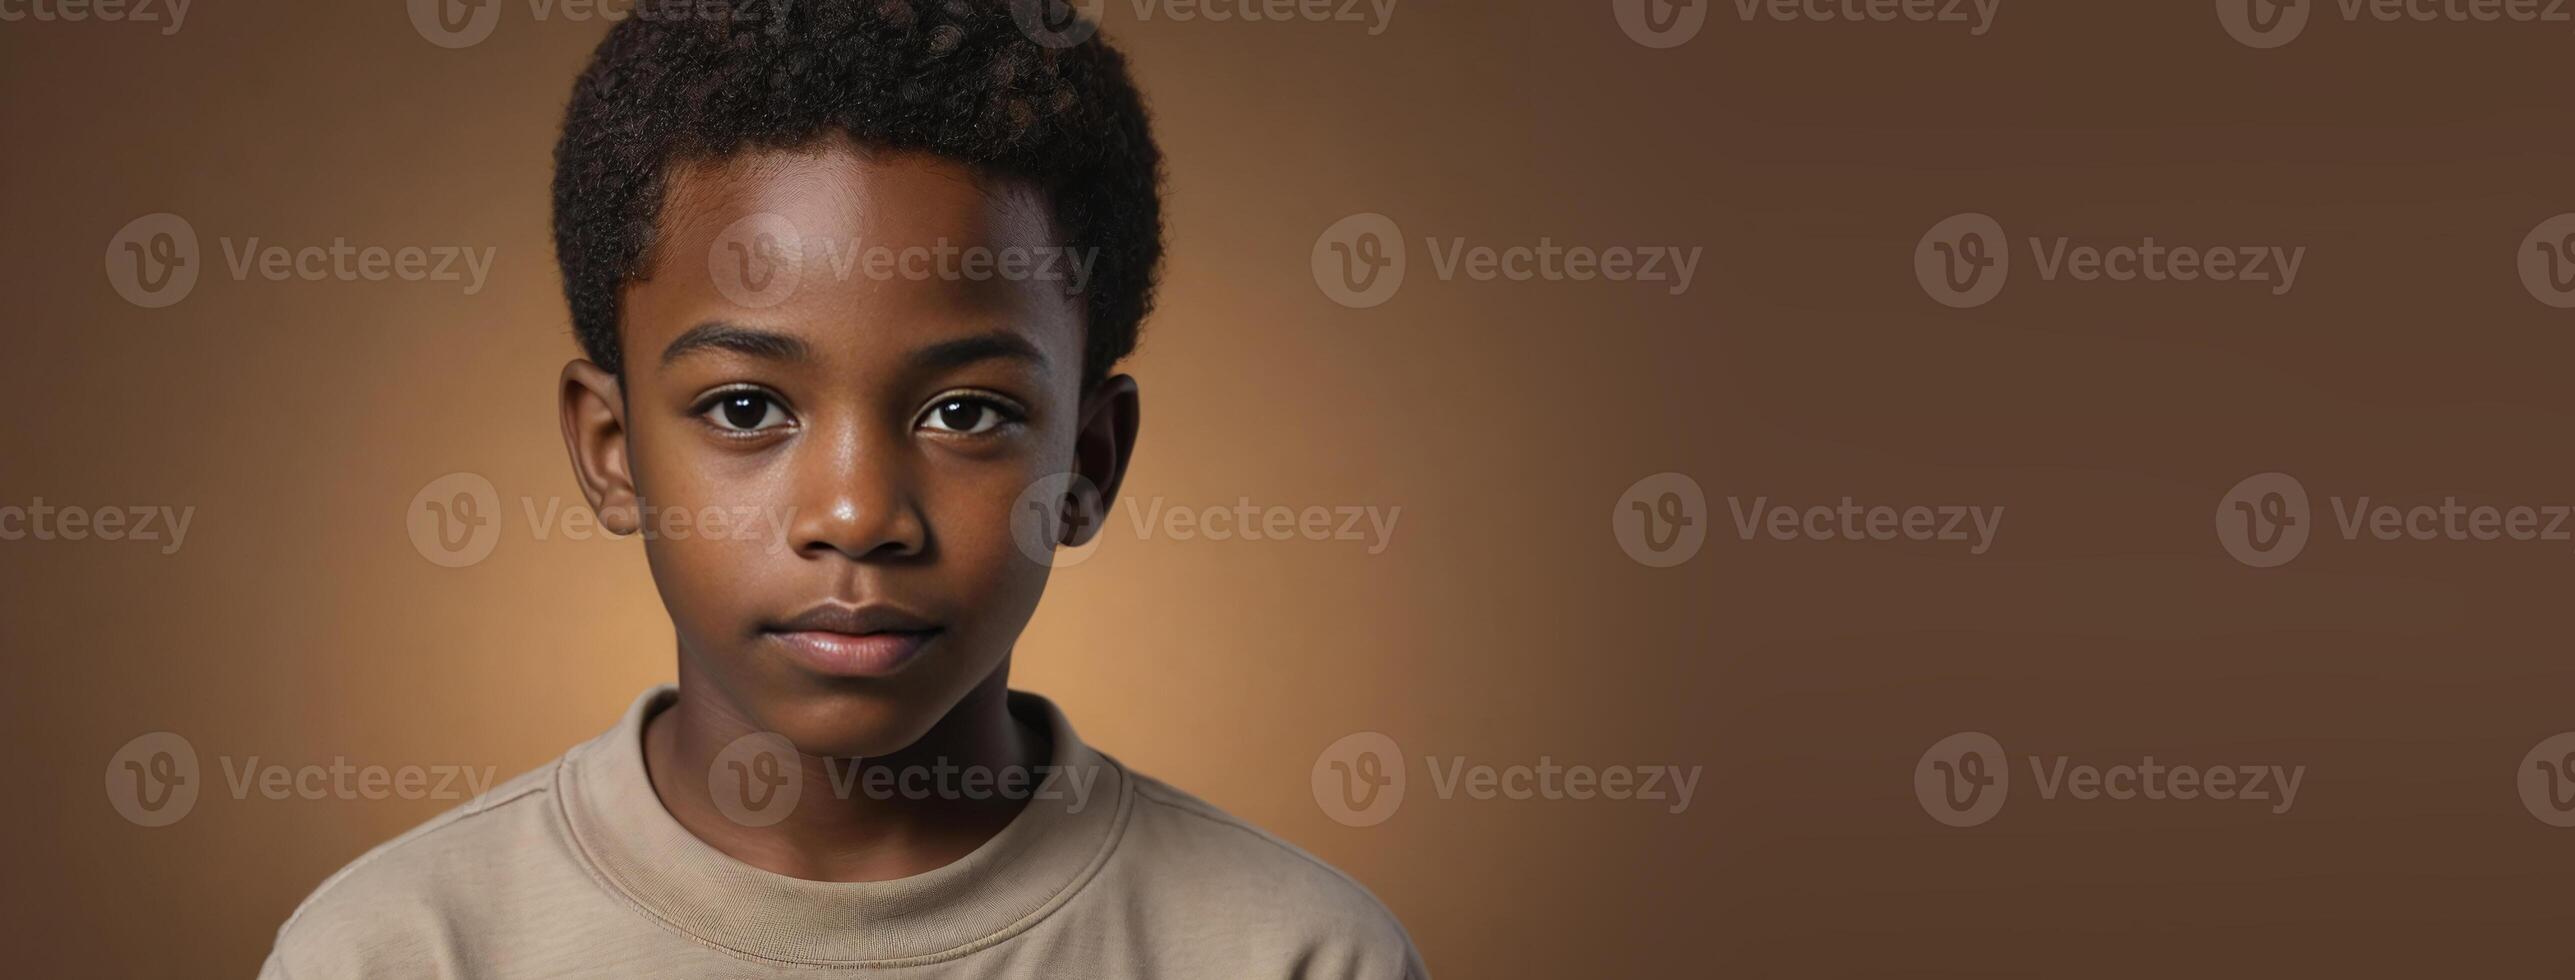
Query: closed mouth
(853, 641)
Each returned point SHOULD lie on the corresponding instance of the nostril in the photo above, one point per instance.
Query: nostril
(857, 528)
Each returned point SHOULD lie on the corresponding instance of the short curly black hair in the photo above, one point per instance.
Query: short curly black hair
(960, 79)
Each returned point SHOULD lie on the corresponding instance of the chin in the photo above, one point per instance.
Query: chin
(843, 722)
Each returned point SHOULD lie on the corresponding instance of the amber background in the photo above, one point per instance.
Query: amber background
(298, 623)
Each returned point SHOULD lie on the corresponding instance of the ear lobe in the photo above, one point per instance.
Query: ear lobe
(1084, 510)
(594, 435)
(1101, 451)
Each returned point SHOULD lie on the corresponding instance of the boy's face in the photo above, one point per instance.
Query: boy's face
(812, 357)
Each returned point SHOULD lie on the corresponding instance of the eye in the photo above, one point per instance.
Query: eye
(966, 415)
(745, 411)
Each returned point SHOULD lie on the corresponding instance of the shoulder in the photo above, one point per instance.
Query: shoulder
(1268, 890)
(387, 908)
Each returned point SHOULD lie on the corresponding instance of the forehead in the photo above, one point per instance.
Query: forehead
(852, 249)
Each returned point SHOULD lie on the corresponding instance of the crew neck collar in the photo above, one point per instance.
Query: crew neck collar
(1033, 866)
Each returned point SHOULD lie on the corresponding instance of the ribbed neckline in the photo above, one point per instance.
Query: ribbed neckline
(1023, 873)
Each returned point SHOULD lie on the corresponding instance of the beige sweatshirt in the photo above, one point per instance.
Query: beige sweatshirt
(576, 870)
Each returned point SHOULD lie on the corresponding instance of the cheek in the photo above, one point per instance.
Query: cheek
(697, 577)
(971, 510)
(709, 577)
(707, 533)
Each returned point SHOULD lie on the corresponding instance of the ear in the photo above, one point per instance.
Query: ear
(594, 433)
(1101, 450)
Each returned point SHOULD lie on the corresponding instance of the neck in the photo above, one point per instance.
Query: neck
(841, 827)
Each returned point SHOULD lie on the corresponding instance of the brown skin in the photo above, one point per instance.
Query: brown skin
(894, 469)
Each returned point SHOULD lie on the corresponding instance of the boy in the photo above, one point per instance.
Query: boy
(865, 266)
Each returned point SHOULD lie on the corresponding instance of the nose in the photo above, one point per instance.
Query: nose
(856, 497)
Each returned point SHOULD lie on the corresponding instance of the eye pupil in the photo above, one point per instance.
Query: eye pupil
(745, 411)
(960, 415)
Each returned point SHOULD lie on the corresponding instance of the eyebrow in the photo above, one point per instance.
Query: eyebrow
(981, 347)
(717, 335)
(772, 345)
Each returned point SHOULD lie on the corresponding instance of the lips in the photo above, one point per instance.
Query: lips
(853, 641)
